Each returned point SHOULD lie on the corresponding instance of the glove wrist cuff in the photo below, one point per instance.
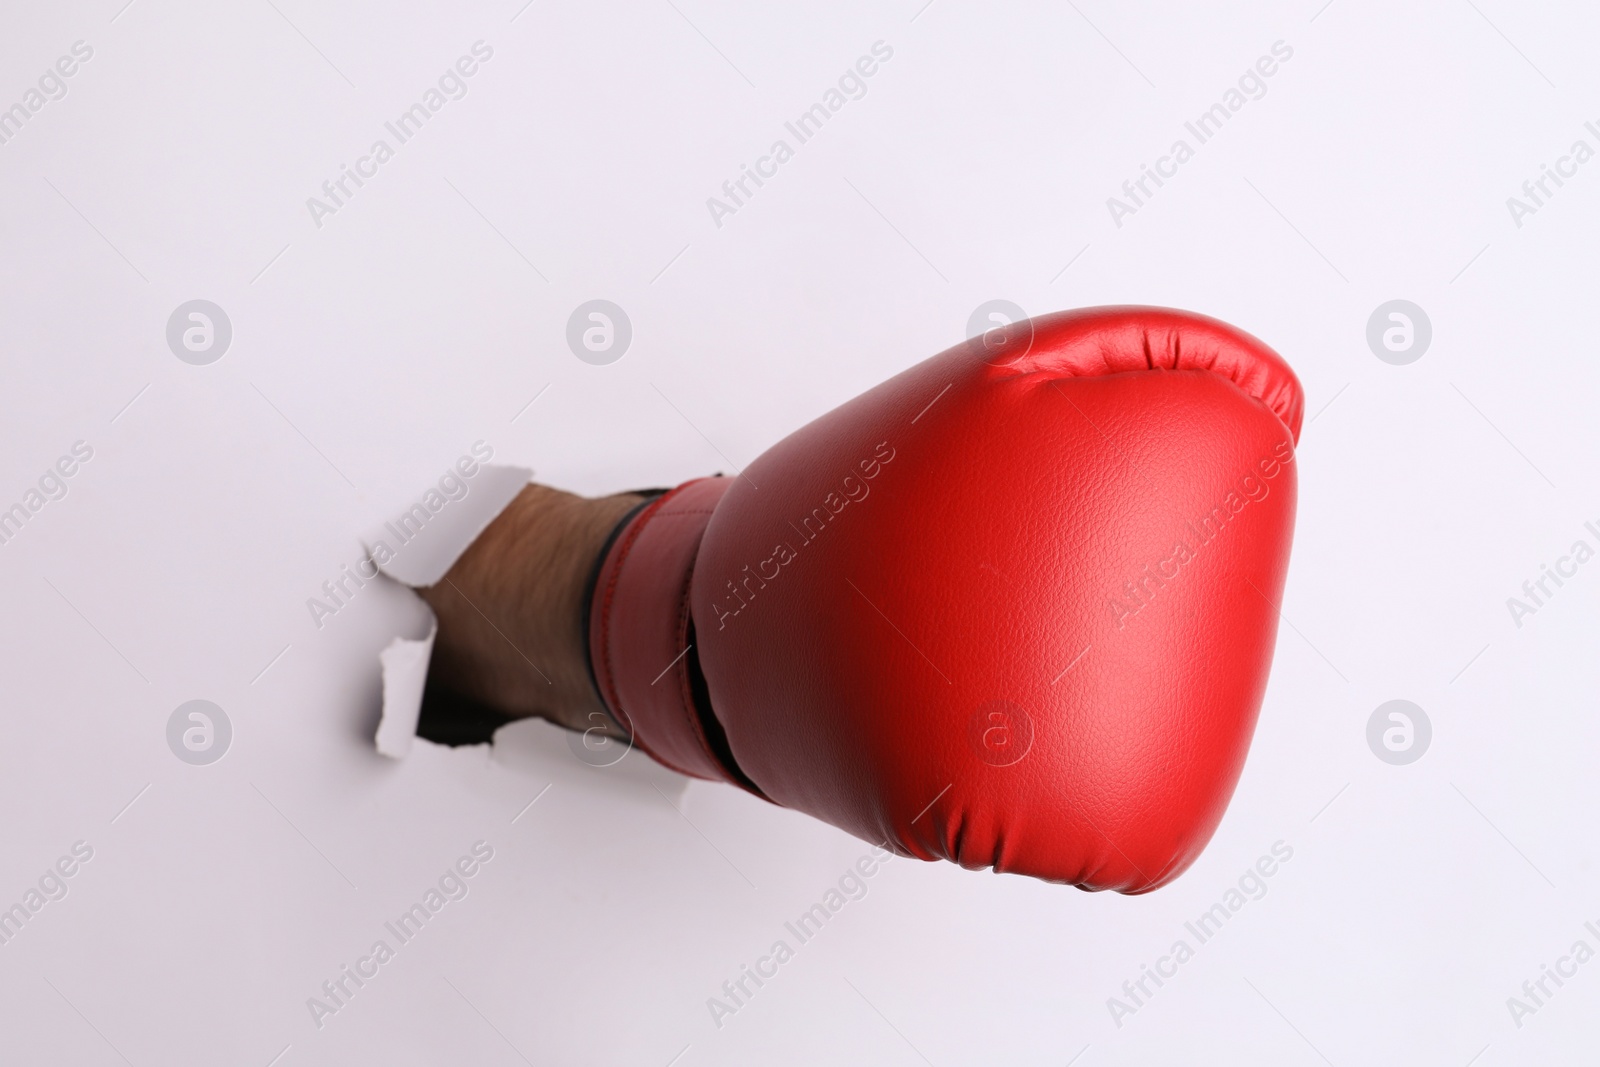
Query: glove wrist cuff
(639, 628)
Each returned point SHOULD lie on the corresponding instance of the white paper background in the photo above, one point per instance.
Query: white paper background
(370, 352)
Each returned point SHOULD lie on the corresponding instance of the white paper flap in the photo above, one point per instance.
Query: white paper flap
(405, 675)
(422, 542)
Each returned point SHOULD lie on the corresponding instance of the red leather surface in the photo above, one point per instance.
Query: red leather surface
(1015, 606)
(638, 627)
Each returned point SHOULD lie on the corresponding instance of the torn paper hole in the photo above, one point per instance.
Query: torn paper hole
(416, 548)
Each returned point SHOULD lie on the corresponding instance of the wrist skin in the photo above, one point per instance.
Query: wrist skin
(511, 609)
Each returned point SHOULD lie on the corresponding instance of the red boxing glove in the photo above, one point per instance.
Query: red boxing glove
(1013, 608)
